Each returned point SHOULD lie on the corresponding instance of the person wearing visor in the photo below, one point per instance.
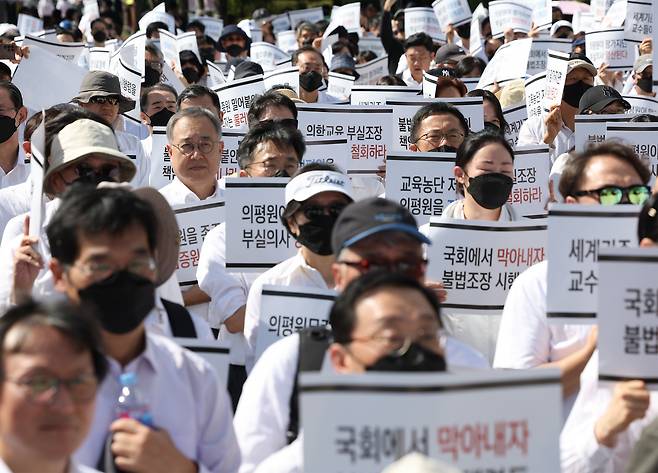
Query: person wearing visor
(437, 127)
(602, 100)
(314, 199)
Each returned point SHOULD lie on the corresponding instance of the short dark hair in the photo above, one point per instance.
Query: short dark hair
(196, 24)
(154, 27)
(419, 39)
(86, 210)
(74, 322)
(189, 57)
(263, 102)
(14, 93)
(97, 20)
(4, 70)
(444, 82)
(144, 96)
(647, 222)
(262, 132)
(468, 65)
(196, 91)
(343, 313)
(390, 80)
(575, 166)
(435, 108)
(65, 118)
(474, 143)
(493, 100)
(306, 49)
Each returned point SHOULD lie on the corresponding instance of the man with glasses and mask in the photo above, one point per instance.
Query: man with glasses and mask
(605, 174)
(13, 169)
(372, 235)
(52, 366)
(437, 127)
(110, 249)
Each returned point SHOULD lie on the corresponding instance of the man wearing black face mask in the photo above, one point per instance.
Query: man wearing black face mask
(157, 105)
(13, 169)
(111, 248)
(234, 43)
(311, 70)
(99, 32)
(643, 76)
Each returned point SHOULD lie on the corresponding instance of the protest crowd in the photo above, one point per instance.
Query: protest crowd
(378, 237)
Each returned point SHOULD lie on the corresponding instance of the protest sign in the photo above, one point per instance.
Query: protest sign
(584, 21)
(452, 12)
(130, 81)
(215, 75)
(282, 76)
(213, 351)
(132, 51)
(368, 131)
(509, 63)
(267, 55)
(422, 20)
(532, 166)
(312, 15)
(340, 85)
(575, 235)
(476, 38)
(506, 14)
(535, 87)
(610, 47)
(255, 237)
(539, 53)
(348, 16)
(515, 116)
(154, 16)
(285, 310)
(404, 110)
(542, 14)
(641, 137)
(64, 79)
(99, 59)
(639, 20)
(626, 314)
(641, 104)
(372, 43)
(162, 173)
(214, 26)
(187, 42)
(37, 171)
(423, 183)
(27, 24)
(599, 8)
(590, 129)
(615, 16)
(429, 84)
(286, 41)
(378, 94)
(334, 151)
(67, 51)
(478, 261)
(372, 71)
(470, 82)
(228, 163)
(281, 23)
(235, 99)
(556, 76)
(172, 45)
(478, 421)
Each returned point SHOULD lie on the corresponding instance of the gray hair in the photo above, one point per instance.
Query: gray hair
(193, 112)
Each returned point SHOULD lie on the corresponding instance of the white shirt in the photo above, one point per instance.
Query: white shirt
(184, 399)
(18, 173)
(157, 321)
(132, 147)
(261, 420)
(366, 186)
(456, 210)
(73, 468)
(291, 272)
(14, 200)
(579, 450)
(532, 133)
(409, 79)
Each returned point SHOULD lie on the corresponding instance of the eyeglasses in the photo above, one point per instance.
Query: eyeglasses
(269, 169)
(285, 122)
(204, 147)
(613, 195)
(101, 271)
(413, 268)
(104, 100)
(397, 343)
(43, 388)
(437, 137)
(314, 211)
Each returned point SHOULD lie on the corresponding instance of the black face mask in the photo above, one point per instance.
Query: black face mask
(122, 301)
(572, 93)
(316, 235)
(490, 190)
(151, 76)
(99, 36)
(282, 173)
(493, 128)
(161, 118)
(310, 81)
(645, 84)
(191, 75)
(93, 177)
(443, 149)
(7, 127)
(234, 50)
(416, 358)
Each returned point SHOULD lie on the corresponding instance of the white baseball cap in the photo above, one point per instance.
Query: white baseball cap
(304, 186)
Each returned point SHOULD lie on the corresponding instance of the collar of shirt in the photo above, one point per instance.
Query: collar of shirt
(409, 79)
(20, 171)
(178, 193)
(148, 357)
(73, 467)
(313, 274)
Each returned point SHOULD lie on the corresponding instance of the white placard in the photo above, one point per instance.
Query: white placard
(187, 42)
(214, 26)
(609, 46)
(169, 48)
(506, 14)
(281, 23)
(169, 77)
(335, 152)
(285, 310)
(471, 83)
(235, 99)
(452, 12)
(130, 81)
(378, 94)
(132, 51)
(599, 8)
(575, 235)
(372, 71)
(67, 51)
(255, 237)
(641, 104)
(626, 314)
(584, 21)
(348, 16)
(539, 53)
(282, 76)
(340, 85)
(642, 137)
(267, 55)
(162, 172)
(368, 131)
(639, 20)
(154, 16)
(509, 63)
(286, 40)
(429, 84)
(312, 15)
(615, 16)
(590, 129)
(422, 20)
(515, 116)
(542, 14)
(228, 163)
(532, 166)
(423, 183)
(215, 75)
(478, 261)
(372, 43)
(476, 38)
(194, 222)
(99, 59)
(403, 112)
(63, 82)
(213, 351)
(476, 421)
(534, 94)
(556, 76)
(27, 24)
(37, 171)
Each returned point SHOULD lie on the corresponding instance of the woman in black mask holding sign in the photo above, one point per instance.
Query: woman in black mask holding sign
(484, 171)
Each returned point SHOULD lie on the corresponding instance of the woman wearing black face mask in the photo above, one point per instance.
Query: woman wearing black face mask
(484, 171)
(193, 71)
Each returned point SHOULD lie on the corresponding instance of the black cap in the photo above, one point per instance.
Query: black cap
(598, 97)
(370, 216)
(442, 72)
(229, 30)
(450, 52)
(247, 69)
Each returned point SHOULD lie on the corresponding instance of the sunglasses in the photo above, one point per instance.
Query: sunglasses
(412, 268)
(104, 100)
(312, 212)
(613, 195)
(285, 122)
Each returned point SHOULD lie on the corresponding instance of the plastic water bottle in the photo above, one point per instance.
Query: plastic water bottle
(131, 404)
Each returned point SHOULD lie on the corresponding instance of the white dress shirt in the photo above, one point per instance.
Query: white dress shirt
(184, 399)
(72, 468)
(14, 200)
(291, 272)
(158, 322)
(132, 147)
(18, 173)
(409, 79)
(532, 133)
(261, 420)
